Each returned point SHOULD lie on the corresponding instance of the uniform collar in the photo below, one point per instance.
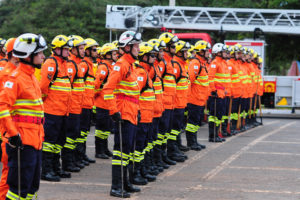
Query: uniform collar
(180, 60)
(128, 58)
(76, 59)
(28, 69)
(146, 66)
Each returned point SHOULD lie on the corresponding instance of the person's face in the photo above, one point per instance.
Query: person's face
(185, 55)
(81, 50)
(39, 58)
(172, 49)
(114, 56)
(224, 54)
(161, 54)
(152, 58)
(135, 50)
(94, 52)
(206, 54)
(65, 52)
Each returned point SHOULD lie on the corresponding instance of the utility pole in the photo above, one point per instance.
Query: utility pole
(172, 2)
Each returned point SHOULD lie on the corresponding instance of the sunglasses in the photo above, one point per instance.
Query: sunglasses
(173, 46)
(94, 50)
(152, 55)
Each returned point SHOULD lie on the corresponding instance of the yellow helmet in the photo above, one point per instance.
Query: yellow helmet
(245, 51)
(77, 40)
(116, 43)
(192, 48)
(2, 41)
(90, 43)
(182, 46)
(146, 47)
(108, 47)
(168, 38)
(202, 45)
(260, 60)
(61, 41)
(255, 55)
(251, 51)
(238, 47)
(6, 43)
(156, 42)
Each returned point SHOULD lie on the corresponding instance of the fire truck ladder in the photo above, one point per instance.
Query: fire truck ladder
(203, 18)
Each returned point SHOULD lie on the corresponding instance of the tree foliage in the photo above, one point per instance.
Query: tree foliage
(87, 18)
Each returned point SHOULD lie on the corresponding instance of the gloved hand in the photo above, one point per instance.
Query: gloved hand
(116, 117)
(15, 141)
(139, 116)
(214, 94)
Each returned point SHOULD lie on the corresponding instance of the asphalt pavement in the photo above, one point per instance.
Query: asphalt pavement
(261, 163)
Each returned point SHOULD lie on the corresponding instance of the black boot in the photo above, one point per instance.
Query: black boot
(85, 157)
(127, 184)
(233, 127)
(57, 167)
(173, 152)
(158, 159)
(165, 157)
(99, 147)
(150, 168)
(135, 176)
(67, 161)
(191, 141)
(196, 141)
(106, 150)
(116, 186)
(145, 173)
(224, 130)
(213, 134)
(47, 167)
(179, 144)
(158, 167)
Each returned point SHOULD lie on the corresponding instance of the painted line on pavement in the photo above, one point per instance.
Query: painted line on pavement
(200, 187)
(273, 153)
(229, 160)
(266, 168)
(279, 142)
(76, 183)
(202, 153)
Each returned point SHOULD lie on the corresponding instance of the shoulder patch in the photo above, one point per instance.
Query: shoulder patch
(70, 70)
(175, 70)
(8, 84)
(229, 67)
(102, 72)
(213, 66)
(196, 67)
(50, 69)
(83, 69)
(160, 69)
(140, 78)
(14, 73)
(117, 68)
(1, 68)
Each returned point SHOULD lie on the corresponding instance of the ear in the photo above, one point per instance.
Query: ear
(127, 48)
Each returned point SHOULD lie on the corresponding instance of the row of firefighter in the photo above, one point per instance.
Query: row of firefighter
(147, 93)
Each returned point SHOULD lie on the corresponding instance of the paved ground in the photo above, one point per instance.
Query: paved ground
(262, 163)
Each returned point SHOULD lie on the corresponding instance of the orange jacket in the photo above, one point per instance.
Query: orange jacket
(21, 107)
(121, 92)
(182, 86)
(147, 96)
(169, 82)
(236, 90)
(9, 67)
(219, 76)
(198, 75)
(156, 78)
(245, 79)
(89, 91)
(56, 92)
(102, 75)
(77, 84)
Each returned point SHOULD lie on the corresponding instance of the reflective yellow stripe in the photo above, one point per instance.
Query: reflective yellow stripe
(78, 81)
(129, 84)
(202, 77)
(168, 77)
(78, 89)
(184, 87)
(4, 113)
(90, 79)
(28, 112)
(222, 75)
(147, 98)
(62, 80)
(108, 96)
(60, 88)
(169, 84)
(90, 87)
(201, 83)
(28, 102)
(127, 92)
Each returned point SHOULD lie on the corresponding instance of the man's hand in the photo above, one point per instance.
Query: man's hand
(116, 117)
(15, 141)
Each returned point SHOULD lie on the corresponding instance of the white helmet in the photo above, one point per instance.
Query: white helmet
(218, 47)
(129, 37)
(28, 43)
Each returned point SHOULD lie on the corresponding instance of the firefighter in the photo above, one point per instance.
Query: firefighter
(180, 102)
(169, 84)
(236, 84)
(88, 64)
(2, 51)
(11, 65)
(68, 152)
(103, 121)
(198, 75)
(142, 165)
(22, 114)
(218, 75)
(156, 76)
(121, 94)
(56, 91)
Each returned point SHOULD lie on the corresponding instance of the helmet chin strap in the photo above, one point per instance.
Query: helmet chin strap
(78, 54)
(31, 62)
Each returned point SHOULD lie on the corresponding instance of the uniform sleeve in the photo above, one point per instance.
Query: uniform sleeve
(8, 97)
(141, 77)
(211, 76)
(71, 71)
(193, 66)
(114, 78)
(47, 74)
